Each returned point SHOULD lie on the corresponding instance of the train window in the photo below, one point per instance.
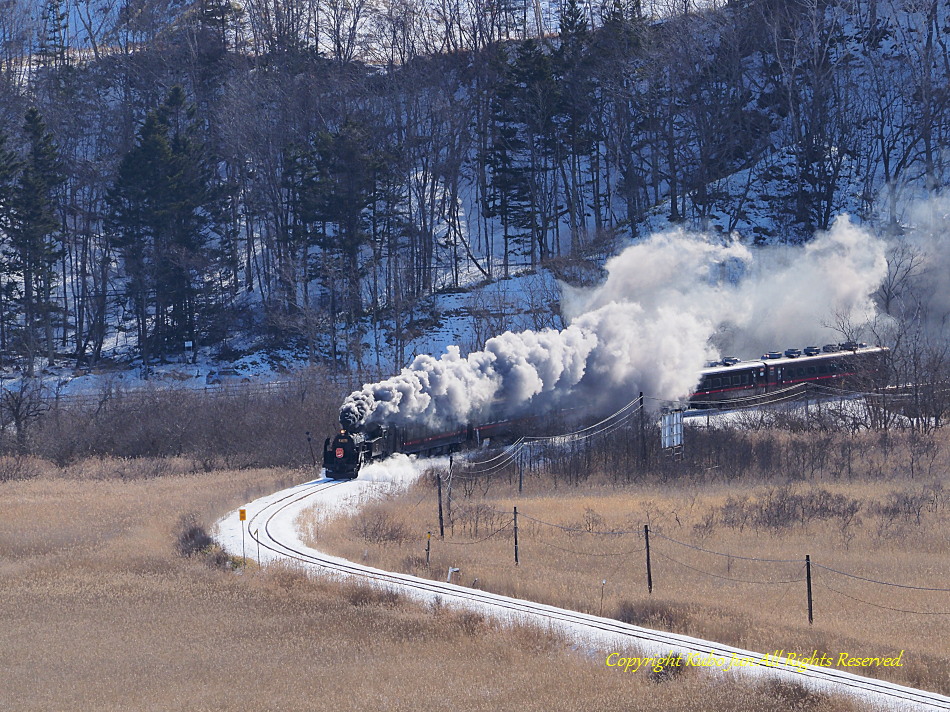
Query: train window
(811, 371)
(716, 382)
(823, 368)
(745, 379)
(800, 372)
(736, 380)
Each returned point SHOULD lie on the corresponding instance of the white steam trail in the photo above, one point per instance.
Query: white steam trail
(927, 263)
(649, 327)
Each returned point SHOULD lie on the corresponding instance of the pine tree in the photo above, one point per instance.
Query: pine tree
(341, 183)
(53, 49)
(9, 168)
(508, 194)
(576, 94)
(34, 235)
(161, 203)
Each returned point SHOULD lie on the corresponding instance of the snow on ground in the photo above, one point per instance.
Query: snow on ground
(585, 632)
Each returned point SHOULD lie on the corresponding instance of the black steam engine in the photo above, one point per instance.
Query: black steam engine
(355, 446)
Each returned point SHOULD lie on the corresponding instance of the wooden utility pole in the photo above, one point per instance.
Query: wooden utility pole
(516, 536)
(643, 439)
(438, 480)
(811, 618)
(646, 538)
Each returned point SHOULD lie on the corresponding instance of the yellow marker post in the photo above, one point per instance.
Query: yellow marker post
(242, 515)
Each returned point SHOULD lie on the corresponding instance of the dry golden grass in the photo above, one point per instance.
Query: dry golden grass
(899, 533)
(98, 612)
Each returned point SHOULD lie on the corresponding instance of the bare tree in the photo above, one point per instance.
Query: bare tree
(21, 404)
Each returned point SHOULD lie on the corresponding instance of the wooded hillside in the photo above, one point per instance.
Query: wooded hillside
(292, 171)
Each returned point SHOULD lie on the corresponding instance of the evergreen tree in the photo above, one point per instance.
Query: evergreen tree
(577, 95)
(507, 184)
(53, 42)
(161, 207)
(9, 167)
(342, 182)
(536, 102)
(34, 236)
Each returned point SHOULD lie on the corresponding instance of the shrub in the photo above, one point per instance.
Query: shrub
(377, 526)
(192, 537)
(361, 595)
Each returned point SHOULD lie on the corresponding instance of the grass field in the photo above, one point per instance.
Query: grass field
(582, 547)
(100, 611)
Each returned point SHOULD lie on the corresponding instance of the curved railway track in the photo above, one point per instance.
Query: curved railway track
(271, 528)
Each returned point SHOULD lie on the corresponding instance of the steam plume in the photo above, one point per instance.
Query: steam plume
(669, 303)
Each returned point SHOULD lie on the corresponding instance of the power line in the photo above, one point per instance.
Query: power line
(724, 578)
(575, 529)
(877, 605)
(728, 556)
(479, 541)
(589, 553)
(880, 583)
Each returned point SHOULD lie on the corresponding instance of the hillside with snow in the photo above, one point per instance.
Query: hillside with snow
(204, 187)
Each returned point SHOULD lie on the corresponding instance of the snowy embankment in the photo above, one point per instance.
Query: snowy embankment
(270, 533)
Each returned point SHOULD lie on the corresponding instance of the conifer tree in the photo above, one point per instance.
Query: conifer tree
(342, 181)
(161, 207)
(505, 161)
(34, 238)
(9, 167)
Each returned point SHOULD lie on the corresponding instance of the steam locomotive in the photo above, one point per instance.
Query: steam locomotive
(353, 447)
(835, 365)
(720, 385)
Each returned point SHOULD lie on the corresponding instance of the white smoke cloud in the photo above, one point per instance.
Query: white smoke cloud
(669, 303)
(928, 237)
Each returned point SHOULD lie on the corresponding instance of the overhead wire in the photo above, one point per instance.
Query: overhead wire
(880, 583)
(503, 459)
(724, 578)
(589, 553)
(878, 605)
(613, 532)
(728, 556)
(479, 541)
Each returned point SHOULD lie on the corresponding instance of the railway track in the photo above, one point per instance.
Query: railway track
(272, 531)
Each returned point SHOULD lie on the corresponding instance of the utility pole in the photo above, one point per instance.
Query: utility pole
(438, 481)
(646, 537)
(516, 536)
(811, 618)
(643, 439)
